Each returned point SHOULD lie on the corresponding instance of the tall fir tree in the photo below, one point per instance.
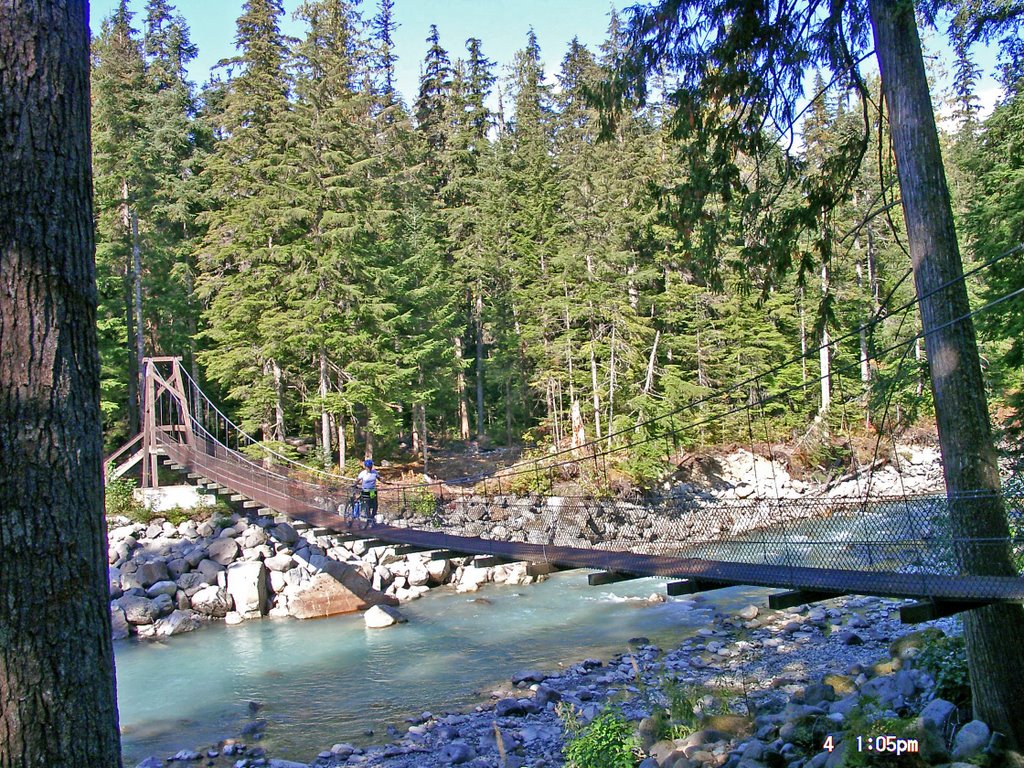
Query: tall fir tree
(244, 258)
(121, 184)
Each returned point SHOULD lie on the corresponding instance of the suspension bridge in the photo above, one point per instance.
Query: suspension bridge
(808, 549)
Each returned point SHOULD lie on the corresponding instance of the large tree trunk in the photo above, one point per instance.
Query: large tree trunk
(968, 455)
(825, 351)
(460, 391)
(325, 417)
(279, 429)
(140, 331)
(479, 328)
(57, 696)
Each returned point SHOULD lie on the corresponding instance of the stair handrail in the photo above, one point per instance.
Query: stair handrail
(112, 458)
(278, 456)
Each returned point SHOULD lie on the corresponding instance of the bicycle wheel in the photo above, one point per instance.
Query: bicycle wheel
(351, 510)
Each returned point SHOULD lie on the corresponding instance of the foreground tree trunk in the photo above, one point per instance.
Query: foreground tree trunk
(57, 696)
(995, 633)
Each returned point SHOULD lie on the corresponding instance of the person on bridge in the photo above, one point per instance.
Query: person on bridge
(366, 483)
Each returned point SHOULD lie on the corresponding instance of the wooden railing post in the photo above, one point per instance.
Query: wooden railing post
(150, 461)
(178, 391)
(147, 433)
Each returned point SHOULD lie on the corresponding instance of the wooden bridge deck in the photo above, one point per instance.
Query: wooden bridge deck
(286, 496)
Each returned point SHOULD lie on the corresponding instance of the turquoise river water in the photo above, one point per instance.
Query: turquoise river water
(332, 680)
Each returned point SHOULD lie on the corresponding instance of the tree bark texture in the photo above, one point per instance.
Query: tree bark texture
(968, 453)
(460, 391)
(57, 696)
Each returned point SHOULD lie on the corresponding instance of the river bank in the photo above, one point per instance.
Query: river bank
(168, 579)
(773, 685)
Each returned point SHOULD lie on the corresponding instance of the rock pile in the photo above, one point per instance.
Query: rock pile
(167, 579)
(788, 688)
(742, 499)
(793, 688)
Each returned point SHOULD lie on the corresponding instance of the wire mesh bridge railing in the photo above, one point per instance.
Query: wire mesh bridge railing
(900, 546)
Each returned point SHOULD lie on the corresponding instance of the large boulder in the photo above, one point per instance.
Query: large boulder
(284, 533)
(164, 604)
(192, 582)
(178, 566)
(119, 623)
(439, 570)
(970, 741)
(176, 623)
(322, 596)
(195, 556)
(212, 601)
(209, 569)
(380, 616)
(139, 610)
(223, 551)
(161, 588)
(418, 575)
(471, 579)
(247, 585)
(114, 577)
(151, 572)
(253, 537)
(339, 588)
(280, 563)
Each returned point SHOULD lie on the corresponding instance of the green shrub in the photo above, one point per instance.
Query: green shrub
(526, 483)
(421, 502)
(607, 742)
(861, 728)
(178, 515)
(945, 660)
(119, 498)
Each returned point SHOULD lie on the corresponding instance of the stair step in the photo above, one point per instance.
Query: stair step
(250, 505)
(223, 491)
(298, 525)
(175, 466)
(238, 497)
(196, 476)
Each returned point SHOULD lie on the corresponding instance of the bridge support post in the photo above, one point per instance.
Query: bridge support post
(150, 465)
(781, 600)
(609, 577)
(927, 610)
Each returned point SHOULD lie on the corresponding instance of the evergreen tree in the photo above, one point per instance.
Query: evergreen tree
(330, 128)
(384, 27)
(529, 195)
(174, 150)
(245, 258)
(121, 184)
(740, 92)
(468, 186)
(996, 224)
(433, 103)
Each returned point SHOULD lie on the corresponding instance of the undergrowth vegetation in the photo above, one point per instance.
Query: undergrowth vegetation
(608, 741)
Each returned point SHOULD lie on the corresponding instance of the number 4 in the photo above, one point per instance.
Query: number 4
(829, 745)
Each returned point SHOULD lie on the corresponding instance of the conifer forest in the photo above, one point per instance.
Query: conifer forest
(502, 257)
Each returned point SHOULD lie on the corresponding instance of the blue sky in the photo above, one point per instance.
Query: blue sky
(501, 25)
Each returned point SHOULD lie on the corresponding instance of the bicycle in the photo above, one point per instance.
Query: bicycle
(350, 512)
(353, 510)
